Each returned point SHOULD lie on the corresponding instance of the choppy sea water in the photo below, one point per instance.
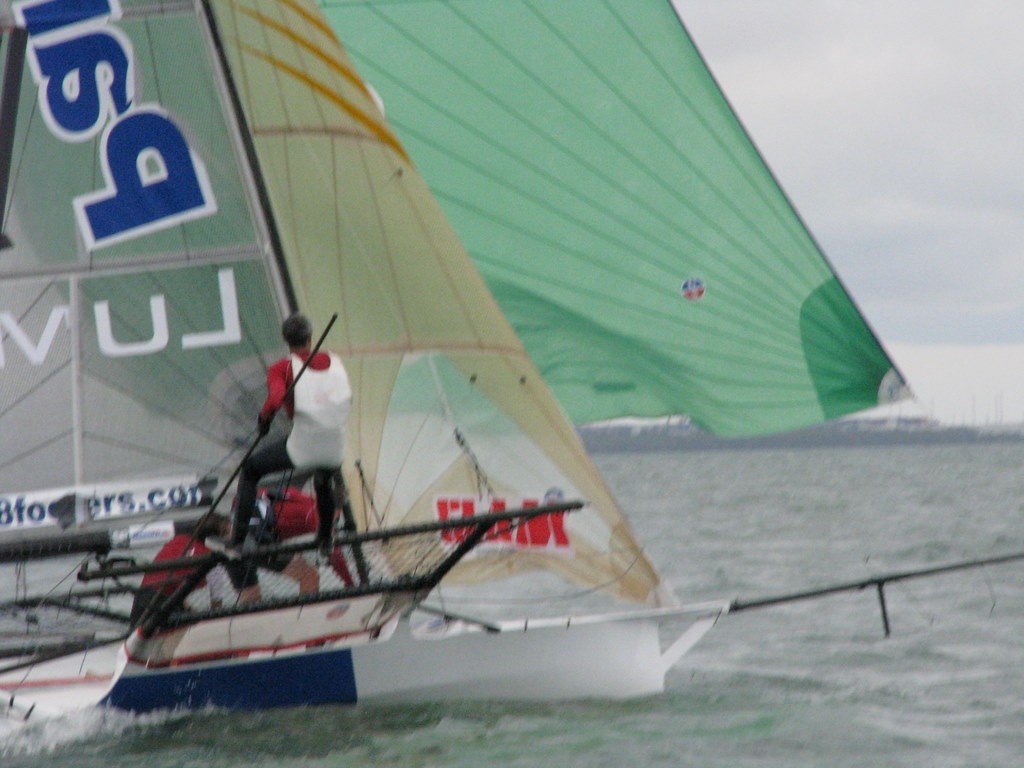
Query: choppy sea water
(810, 684)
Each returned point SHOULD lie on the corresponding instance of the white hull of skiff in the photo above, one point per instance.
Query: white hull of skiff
(609, 656)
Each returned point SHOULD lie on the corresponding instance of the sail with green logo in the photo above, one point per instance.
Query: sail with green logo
(618, 210)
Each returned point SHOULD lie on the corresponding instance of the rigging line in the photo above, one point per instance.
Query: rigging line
(442, 394)
(21, 156)
(368, 494)
(38, 447)
(455, 276)
(132, 264)
(10, 95)
(268, 238)
(183, 376)
(213, 469)
(991, 590)
(482, 481)
(143, 448)
(36, 385)
(260, 353)
(8, 407)
(46, 595)
(183, 426)
(74, 598)
(21, 580)
(548, 407)
(925, 615)
(51, 285)
(405, 461)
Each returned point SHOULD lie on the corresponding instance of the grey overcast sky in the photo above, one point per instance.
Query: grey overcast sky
(897, 129)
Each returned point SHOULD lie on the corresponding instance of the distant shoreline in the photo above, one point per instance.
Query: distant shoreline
(614, 438)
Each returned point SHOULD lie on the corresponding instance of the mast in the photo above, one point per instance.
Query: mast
(244, 136)
(10, 92)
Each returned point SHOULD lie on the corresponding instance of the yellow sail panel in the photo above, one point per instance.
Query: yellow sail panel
(504, 452)
(448, 409)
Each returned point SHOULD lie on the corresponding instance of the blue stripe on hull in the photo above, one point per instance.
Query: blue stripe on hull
(325, 677)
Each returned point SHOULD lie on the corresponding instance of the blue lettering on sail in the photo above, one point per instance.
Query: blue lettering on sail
(41, 16)
(58, 507)
(153, 180)
(86, 81)
(83, 67)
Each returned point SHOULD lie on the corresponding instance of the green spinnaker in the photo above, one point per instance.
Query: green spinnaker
(591, 166)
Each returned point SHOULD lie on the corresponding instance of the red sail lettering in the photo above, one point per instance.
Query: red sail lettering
(547, 531)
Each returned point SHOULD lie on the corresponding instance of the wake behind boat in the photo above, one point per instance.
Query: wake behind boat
(179, 177)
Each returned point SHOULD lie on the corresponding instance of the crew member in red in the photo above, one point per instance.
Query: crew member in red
(318, 403)
(282, 515)
(164, 583)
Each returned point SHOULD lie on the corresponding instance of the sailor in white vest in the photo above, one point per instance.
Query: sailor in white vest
(318, 405)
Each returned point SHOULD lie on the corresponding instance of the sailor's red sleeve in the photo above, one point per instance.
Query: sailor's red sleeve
(277, 386)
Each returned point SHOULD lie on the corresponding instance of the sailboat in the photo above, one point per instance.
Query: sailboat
(180, 176)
